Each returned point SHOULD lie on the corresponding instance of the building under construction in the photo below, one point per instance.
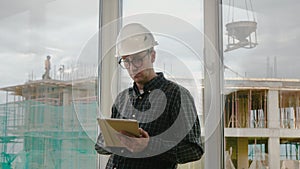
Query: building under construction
(49, 124)
(262, 121)
(52, 123)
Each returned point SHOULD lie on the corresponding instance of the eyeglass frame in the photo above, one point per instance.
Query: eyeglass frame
(140, 60)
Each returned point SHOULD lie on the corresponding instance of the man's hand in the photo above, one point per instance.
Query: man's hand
(134, 143)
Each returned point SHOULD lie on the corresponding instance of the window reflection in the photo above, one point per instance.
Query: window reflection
(262, 92)
(47, 122)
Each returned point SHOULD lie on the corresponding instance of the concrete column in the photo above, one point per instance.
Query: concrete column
(274, 152)
(242, 158)
(273, 109)
(67, 96)
(273, 122)
(67, 114)
(213, 85)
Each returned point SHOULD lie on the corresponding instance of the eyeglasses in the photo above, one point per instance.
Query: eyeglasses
(137, 61)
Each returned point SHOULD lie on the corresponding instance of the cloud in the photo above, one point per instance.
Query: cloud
(33, 29)
(278, 36)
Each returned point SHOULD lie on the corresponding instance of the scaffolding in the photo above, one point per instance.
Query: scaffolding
(289, 105)
(246, 109)
(264, 114)
(45, 126)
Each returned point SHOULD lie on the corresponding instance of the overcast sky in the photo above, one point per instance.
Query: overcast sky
(278, 34)
(66, 29)
(29, 34)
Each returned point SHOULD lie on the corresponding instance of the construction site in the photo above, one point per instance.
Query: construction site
(49, 123)
(52, 123)
(262, 121)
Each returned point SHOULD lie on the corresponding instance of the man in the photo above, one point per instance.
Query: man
(46, 75)
(168, 121)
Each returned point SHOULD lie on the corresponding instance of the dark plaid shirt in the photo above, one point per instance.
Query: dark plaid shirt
(167, 112)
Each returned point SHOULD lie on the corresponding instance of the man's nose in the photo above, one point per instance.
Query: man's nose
(133, 68)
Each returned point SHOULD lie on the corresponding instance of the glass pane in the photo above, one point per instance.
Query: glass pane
(179, 55)
(48, 107)
(261, 83)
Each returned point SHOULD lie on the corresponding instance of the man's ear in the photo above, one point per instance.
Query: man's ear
(153, 56)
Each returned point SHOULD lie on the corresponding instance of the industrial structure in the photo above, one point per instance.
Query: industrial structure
(262, 121)
(49, 124)
(241, 33)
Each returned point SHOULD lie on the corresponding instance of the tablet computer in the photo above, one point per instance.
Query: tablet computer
(110, 127)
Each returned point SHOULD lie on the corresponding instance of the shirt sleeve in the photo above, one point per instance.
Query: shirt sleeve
(190, 147)
(99, 146)
(188, 150)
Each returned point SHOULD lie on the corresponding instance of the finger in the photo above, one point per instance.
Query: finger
(126, 141)
(127, 133)
(143, 133)
(122, 139)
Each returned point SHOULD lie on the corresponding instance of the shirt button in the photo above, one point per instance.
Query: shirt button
(133, 115)
(140, 97)
(149, 91)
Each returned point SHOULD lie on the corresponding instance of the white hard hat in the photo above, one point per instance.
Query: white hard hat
(134, 38)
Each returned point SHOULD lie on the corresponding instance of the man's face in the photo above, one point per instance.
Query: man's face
(138, 65)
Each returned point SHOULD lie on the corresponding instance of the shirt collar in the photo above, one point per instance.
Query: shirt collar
(154, 83)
